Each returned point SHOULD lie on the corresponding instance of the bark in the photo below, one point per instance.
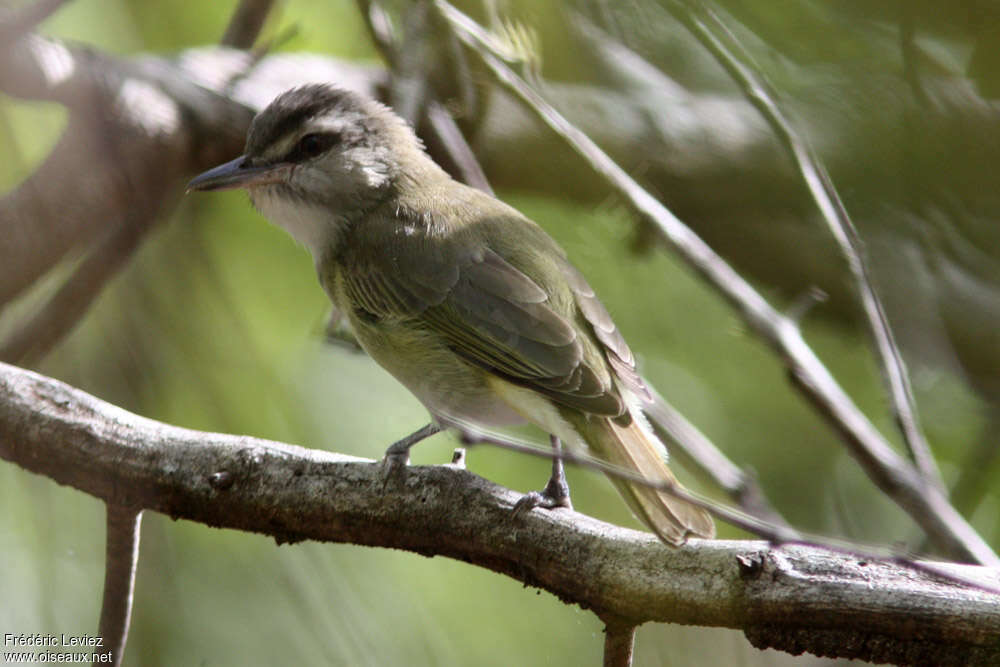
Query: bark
(794, 598)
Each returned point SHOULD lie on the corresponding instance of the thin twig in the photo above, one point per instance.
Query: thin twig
(752, 525)
(380, 30)
(121, 557)
(619, 643)
(247, 22)
(410, 88)
(442, 125)
(893, 474)
(453, 141)
(35, 338)
(722, 44)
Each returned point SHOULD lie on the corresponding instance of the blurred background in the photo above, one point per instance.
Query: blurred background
(217, 322)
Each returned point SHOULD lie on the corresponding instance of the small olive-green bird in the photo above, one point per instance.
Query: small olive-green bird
(465, 301)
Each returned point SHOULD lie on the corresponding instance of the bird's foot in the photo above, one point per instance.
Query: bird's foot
(556, 492)
(546, 499)
(397, 456)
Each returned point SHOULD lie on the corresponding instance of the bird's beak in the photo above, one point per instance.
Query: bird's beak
(238, 173)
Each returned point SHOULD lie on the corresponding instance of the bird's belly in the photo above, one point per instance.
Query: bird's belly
(451, 389)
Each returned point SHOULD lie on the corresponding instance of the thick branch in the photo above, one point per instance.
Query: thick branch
(795, 598)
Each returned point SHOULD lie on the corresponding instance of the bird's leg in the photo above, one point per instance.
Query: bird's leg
(398, 453)
(555, 493)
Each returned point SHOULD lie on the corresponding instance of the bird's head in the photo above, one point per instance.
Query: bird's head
(318, 157)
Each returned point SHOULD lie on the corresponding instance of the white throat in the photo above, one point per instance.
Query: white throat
(315, 227)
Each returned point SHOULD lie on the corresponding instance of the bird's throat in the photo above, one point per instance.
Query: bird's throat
(317, 227)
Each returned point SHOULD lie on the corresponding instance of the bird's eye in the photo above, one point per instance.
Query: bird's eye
(312, 145)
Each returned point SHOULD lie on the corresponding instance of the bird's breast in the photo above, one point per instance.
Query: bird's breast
(420, 359)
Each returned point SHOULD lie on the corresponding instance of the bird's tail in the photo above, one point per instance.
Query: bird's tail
(632, 448)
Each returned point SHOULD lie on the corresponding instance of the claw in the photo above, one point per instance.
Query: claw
(556, 492)
(398, 452)
(397, 456)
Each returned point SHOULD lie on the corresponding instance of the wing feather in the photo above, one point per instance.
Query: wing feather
(491, 312)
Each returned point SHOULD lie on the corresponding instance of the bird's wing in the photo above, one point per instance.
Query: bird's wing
(547, 332)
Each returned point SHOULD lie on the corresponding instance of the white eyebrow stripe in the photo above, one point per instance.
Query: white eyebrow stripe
(332, 122)
(280, 148)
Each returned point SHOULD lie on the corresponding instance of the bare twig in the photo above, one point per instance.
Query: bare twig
(925, 503)
(774, 532)
(121, 558)
(409, 62)
(410, 88)
(247, 22)
(447, 132)
(696, 15)
(380, 30)
(41, 333)
(135, 131)
(619, 642)
(293, 494)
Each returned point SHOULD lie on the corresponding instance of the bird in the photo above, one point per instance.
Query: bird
(468, 303)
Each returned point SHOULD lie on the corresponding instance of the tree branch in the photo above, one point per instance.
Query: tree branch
(121, 559)
(793, 598)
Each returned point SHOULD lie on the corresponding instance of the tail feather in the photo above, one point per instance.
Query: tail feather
(630, 447)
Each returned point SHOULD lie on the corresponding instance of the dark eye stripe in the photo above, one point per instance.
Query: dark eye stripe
(312, 145)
